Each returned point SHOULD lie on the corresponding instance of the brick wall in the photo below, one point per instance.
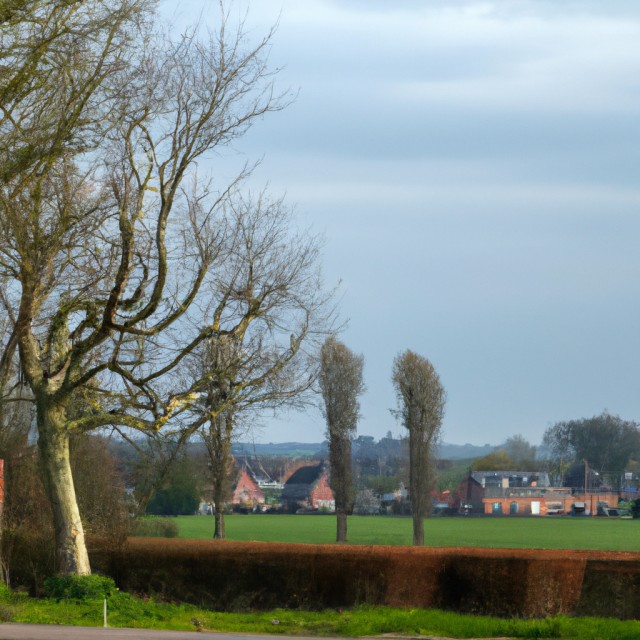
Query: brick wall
(321, 494)
(247, 491)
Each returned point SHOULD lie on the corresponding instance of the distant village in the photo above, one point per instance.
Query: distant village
(469, 481)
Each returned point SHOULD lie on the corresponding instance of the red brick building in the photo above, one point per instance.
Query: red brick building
(552, 501)
(308, 488)
(247, 492)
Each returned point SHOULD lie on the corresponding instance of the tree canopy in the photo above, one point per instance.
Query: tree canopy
(606, 442)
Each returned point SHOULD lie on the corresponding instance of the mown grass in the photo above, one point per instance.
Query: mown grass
(127, 611)
(509, 533)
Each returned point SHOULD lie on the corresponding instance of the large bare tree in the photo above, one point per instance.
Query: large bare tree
(268, 362)
(110, 241)
(340, 384)
(421, 400)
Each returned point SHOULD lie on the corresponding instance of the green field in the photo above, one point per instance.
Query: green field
(533, 533)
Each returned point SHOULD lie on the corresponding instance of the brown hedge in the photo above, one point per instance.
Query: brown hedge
(239, 576)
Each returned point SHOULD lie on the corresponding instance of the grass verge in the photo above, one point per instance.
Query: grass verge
(128, 611)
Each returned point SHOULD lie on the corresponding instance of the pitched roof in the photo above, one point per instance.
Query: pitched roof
(299, 485)
(306, 475)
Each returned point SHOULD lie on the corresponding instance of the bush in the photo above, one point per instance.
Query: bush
(79, 587)
(154, 528)
(29, 557)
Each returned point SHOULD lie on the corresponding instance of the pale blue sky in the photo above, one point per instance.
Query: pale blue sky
(473, 167)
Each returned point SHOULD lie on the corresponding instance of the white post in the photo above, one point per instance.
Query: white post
(105, 614)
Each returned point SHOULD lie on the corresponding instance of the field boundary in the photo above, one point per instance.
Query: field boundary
(503, 582)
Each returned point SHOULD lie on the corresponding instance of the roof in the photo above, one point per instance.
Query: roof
(541, 477)
(299, 485)
(306, 475)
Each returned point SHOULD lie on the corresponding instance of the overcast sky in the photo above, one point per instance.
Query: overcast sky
(473, 167)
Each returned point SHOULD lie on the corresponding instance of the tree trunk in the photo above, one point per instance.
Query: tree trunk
(53, 444)
(218, 441)
(341, 535)
(218, 505)
(218, 532)
(417, 483)
(418, 530)
(341, 484)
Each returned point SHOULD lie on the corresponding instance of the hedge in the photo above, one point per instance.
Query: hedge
(240, 576)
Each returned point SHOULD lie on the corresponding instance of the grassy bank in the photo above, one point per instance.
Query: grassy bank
(509, 533)
(125, 611)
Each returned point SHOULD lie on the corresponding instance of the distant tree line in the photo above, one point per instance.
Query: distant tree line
(604, 444)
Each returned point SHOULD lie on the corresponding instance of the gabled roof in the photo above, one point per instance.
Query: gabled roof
(306, 475)
(302, 481)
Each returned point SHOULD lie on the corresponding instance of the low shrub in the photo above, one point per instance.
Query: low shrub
(154, 528)
(79, 588)
(29, 557)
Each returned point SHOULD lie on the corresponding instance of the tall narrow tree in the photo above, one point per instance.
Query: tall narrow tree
(421, 400)
(340, 384)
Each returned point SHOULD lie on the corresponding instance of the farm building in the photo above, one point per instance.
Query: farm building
(308, 488)
(518, 493)
(530, 493)
(555, 501)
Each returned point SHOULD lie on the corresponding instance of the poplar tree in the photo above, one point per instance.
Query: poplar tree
(421, 400)
(340, 384)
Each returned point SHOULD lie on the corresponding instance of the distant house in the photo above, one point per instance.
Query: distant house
(399, 495)
(247, 493)
(308, 488)
(396, 502)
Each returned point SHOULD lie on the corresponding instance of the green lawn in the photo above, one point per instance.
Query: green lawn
(540, 533)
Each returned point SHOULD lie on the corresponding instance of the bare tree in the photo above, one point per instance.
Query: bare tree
(147, 461)
(421, 400)
(110, 243)
(267, 363)
(62, 66)
(340, 384)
